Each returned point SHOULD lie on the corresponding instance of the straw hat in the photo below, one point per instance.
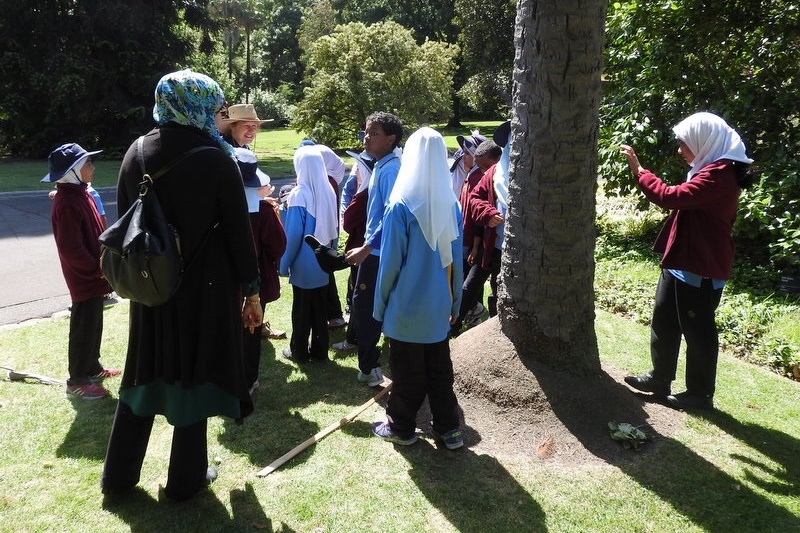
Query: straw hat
(240, 113)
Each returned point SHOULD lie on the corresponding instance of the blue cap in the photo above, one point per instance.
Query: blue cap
(305, 142)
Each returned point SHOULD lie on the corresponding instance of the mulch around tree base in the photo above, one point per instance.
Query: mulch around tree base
(533, 411)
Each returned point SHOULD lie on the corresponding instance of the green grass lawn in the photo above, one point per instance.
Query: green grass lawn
(274, 147)
(735, 470)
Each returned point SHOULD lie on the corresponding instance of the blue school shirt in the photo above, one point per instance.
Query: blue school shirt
(695, 280)
(381, 184)
(414, 295)
(348, 191)
(299, 261)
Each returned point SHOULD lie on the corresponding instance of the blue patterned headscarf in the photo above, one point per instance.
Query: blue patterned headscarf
(192, 99)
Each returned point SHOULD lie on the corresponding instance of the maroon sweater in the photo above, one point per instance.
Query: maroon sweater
(76, 227)
(479, 209)
(697, 234)
(270, 240)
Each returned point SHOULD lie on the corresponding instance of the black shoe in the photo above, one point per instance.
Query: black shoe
(648, 383)
(181, 495)
(687, 400)
(329, 259)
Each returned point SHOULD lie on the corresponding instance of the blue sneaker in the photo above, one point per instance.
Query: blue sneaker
(382, 430)
(452, 439)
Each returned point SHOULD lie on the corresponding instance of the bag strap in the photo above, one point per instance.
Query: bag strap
(152, 178)
(171, 165)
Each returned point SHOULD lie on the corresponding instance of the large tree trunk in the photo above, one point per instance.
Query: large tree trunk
(546, 301)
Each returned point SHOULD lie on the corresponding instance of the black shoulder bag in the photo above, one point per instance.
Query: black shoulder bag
(140, 253)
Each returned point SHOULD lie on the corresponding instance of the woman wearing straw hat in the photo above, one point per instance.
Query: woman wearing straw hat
(241, 125)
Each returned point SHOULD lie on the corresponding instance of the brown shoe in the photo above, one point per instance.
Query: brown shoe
(268, 333)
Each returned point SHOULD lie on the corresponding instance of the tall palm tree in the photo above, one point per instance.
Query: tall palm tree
(546, 303)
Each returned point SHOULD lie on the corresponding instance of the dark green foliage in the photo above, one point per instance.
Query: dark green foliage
(486, 40)
(427, 19)
(667, 60)
(84, 71)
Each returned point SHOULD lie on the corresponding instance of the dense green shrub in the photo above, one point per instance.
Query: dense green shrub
(667, 60)
(755, 322)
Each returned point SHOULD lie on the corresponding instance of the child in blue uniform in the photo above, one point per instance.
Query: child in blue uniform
(311, 210)
(418, 291)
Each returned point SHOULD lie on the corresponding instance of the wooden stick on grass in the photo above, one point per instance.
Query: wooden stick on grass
(277, 463)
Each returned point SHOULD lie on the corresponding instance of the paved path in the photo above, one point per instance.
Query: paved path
(31, 283)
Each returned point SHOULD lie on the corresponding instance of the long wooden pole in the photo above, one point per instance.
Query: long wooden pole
(277, 463)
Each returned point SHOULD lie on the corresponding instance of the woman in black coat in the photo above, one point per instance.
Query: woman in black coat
(184, 358)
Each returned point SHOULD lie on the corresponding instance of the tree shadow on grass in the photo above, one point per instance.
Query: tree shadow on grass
(495, 500)
(775, 445)
(696, 488)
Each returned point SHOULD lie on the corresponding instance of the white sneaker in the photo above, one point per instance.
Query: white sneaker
(344, 346)
(373, 379)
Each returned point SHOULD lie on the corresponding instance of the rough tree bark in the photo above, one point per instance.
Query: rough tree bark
(546, 301)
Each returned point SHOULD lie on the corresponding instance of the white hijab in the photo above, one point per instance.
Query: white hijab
(710, 139)
(334, 165)
(423, 185)
(501, 179)
(314, 192)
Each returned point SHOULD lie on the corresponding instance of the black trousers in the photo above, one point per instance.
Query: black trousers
(251, 349)
(309, 318)
(472, 290)
(419, 370)
(334, 305)
(85, 333)
(367, 328)
(351, 283)
(351, 335)
(684, 311)
(188, 461)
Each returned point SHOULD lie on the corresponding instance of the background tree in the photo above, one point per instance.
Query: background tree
(486, 41)
(280, 56)
(667, 60)
(319, 19)
(360, 69)
(427, 19)
(85, 71)
(546, 303)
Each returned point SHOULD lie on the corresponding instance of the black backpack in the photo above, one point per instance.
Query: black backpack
(140, 254)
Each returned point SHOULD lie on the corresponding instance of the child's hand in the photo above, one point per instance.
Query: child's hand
(633, 160)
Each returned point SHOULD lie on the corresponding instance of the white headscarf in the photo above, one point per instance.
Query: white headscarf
(314, 192)
(710, 139)
(501, 179)
(334, 165)
(423, 185)
(73, 176)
